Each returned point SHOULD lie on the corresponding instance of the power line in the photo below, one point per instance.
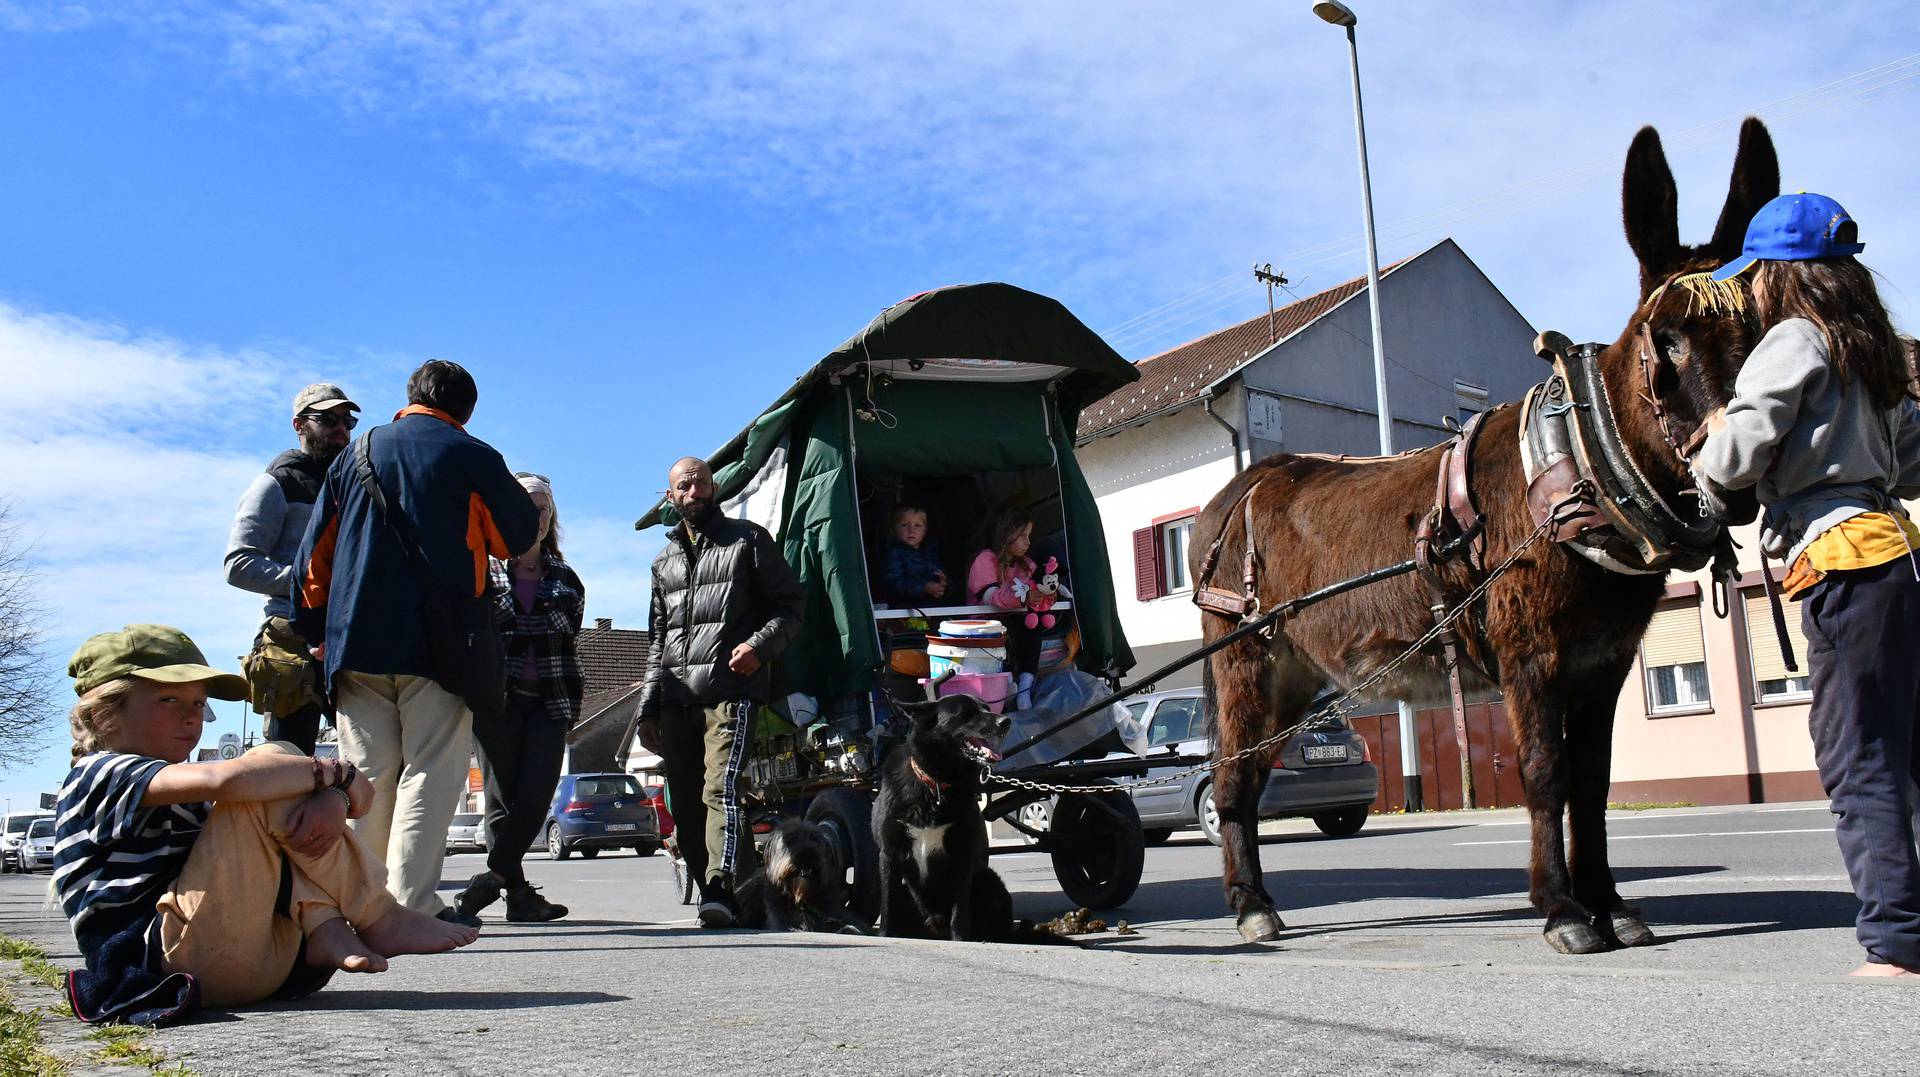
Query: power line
(1869, 84)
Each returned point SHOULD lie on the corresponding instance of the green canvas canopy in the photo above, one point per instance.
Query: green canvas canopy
(958, 381)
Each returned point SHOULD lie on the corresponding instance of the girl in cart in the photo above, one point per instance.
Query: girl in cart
(1002, 577)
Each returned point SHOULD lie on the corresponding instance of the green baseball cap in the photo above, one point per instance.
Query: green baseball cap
(153, 653)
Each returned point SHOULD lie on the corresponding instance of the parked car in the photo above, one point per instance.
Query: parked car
(657, 797)
(592, 812)
(1325, 773)
(36, 852)
(467, 833)
(13, 832)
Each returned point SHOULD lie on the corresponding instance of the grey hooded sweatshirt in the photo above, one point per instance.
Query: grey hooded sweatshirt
(1816, 446)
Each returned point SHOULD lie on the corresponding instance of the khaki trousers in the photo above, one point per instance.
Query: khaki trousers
(703, 748)
(217, 920)
(412, 739)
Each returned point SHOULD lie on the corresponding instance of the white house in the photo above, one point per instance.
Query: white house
(1157, 450)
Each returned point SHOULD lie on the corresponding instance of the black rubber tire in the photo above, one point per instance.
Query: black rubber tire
(1098, 853)
(1201, 801)
(1156, 835)
(646, 850)
(1344, 823)
(556, 849)
(589, 853)
(847, 814)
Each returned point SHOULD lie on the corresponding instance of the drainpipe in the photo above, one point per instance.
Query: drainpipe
(1233, 434)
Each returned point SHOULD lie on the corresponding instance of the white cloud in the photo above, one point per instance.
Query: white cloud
(125, 477)
(1127, 151)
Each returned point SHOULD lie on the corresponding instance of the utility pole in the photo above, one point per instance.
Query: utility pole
(1266, 275)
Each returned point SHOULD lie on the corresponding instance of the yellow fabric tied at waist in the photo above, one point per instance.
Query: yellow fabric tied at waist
(1870, 539)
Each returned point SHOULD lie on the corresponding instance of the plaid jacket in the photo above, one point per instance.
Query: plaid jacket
(547, 633)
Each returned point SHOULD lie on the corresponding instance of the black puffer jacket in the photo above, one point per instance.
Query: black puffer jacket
(729, 586)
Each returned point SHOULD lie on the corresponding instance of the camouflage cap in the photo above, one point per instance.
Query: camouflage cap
(321, 396)
(153, 653)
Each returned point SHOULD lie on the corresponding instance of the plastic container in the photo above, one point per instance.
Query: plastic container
(967, 647)
(974, 628)
(993, 689)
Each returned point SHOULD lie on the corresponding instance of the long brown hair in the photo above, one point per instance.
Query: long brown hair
(1838, 296)
(1005, 526)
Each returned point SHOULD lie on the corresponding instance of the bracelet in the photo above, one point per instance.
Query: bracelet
(348, 772)
(319, 780)
(343, 795)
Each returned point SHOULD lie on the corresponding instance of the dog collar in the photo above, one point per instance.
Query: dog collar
(927, 779)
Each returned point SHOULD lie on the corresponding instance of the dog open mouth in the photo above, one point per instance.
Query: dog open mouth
(981, 750)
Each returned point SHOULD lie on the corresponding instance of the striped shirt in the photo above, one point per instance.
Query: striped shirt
(113, 858)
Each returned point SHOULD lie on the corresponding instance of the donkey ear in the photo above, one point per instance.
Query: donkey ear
(1650, 207)
(1755, 182)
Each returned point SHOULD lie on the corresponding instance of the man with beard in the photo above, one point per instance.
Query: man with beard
(725, 603)
(283, 681)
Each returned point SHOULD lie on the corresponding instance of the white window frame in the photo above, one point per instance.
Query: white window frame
(1703, 705)
(1173, 564)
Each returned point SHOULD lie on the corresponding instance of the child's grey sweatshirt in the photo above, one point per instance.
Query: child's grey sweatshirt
(1816, 446)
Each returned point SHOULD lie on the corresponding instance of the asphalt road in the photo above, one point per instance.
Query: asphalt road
(1410, 948)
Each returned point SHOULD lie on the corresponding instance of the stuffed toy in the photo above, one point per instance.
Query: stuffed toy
(1045, 591)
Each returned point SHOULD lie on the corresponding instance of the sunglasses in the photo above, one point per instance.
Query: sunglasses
(321, 418)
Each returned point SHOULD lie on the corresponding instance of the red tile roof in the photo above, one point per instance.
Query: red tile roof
(611, 658)
(1178, 376)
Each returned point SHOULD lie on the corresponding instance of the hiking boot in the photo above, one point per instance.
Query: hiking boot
(717, 911)
(454, 916)
(482, 890)
(526, 906)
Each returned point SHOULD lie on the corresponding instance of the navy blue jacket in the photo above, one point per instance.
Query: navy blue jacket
(353, 586)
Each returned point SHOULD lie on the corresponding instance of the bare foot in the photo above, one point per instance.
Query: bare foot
(404, 931)
(333, 945)
(1881, 969)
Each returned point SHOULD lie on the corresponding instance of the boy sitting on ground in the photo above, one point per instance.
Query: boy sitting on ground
(913, 574)
(221, 883)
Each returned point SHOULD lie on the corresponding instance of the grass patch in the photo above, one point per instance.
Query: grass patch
(1648, 805)
(33, 961)
(127, 1045)
(20, 1048)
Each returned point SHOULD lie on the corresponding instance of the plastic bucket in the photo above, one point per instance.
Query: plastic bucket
(968, 658)
(973, 629)
(993, 689)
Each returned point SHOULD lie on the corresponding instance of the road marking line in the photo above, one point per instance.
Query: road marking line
(1697, 834)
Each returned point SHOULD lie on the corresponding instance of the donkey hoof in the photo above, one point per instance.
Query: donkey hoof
(1630, 930)
(1575, 937)
(1260, 925)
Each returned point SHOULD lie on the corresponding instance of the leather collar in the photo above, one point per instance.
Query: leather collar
(927, 779)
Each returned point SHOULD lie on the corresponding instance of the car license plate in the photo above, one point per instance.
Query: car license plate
(1326, 753)
(621, 826)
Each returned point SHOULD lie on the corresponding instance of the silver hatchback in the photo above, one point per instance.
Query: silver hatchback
(1325, 773)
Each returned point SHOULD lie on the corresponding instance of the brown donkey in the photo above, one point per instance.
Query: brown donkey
(1557, 633)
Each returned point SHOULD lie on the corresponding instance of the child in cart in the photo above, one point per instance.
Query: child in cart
(913, 576)
(1002, 577)
(221, 883)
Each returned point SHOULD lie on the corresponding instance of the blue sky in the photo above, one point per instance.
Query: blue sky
(636, 222)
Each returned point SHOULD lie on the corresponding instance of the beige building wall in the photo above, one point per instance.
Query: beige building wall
(1733, 748)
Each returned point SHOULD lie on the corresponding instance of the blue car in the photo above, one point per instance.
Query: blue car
(591, 812)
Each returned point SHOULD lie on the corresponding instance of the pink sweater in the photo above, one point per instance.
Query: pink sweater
(987, 572)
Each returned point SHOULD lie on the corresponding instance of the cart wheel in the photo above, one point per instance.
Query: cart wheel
(1098, 848)
(848, 816)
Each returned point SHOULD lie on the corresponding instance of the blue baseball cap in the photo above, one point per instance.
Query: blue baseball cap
(1795, 228)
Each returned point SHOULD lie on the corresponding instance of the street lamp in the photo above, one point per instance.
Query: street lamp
(1338, 14)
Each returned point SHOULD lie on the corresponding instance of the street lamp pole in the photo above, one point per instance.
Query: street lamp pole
(1342, 16)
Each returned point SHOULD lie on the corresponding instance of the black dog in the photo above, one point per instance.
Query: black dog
(800, 884)
(934, 879)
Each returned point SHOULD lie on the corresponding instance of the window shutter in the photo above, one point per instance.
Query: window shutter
(1764, 644)
(1673, 638)
(1146, 565)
